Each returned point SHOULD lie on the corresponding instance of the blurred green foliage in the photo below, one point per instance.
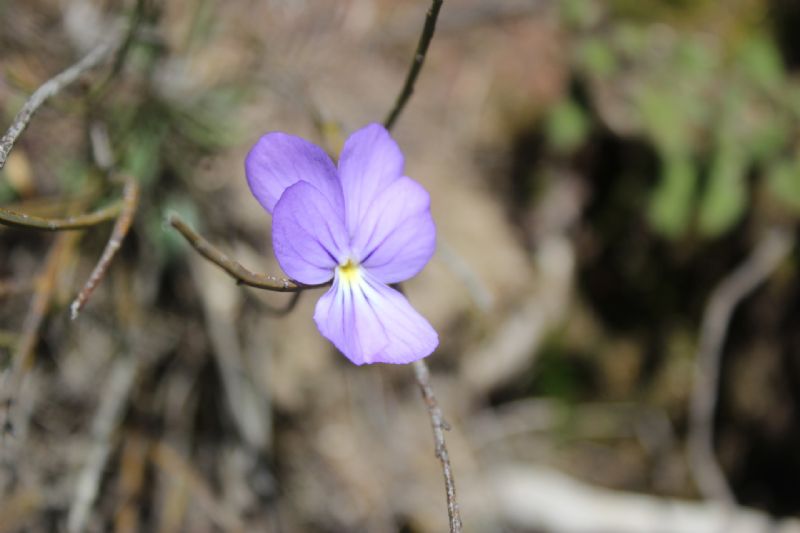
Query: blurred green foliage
(784, 181)
(567, 126)
(719, 109)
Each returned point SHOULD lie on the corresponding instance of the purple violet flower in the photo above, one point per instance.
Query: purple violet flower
(365, 225)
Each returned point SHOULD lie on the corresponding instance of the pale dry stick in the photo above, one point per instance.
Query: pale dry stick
(535, 498)
(238, 272)
(113, 400)
(416, 63)
(88, 220)
(102, 153)
(439, 426)
(52, 87)
(130, 201)
(771, 250)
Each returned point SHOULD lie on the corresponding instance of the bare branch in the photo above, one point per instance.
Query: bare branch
(416, 63)
(52, 87)
(130, 201)
(21, 220)
(234, 269)
(439, 426)
(769, 253)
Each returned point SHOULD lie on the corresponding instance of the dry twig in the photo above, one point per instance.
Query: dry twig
(439, 426)
(416, 63)
(52, 87)
(130, 201)
(769, 253)
(242, 275)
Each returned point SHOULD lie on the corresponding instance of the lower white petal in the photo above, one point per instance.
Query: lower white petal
(369, 322)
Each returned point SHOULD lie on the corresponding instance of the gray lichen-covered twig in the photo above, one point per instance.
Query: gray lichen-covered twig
(439, 426)
(52, 87)
(115, 398)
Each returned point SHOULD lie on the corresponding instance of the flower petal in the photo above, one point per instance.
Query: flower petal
(369, 163)
(308, 234)
(369, 322)
(397, 236)
(278, 161)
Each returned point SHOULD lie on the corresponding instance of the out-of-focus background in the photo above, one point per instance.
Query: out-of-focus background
(597, 171)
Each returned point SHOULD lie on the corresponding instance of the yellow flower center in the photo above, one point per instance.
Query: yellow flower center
(350, 271)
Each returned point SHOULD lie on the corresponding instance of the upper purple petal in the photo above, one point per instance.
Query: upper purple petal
(397, 236)
(278, 161)
(370, 162)
(369, 322)
(308, 234)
